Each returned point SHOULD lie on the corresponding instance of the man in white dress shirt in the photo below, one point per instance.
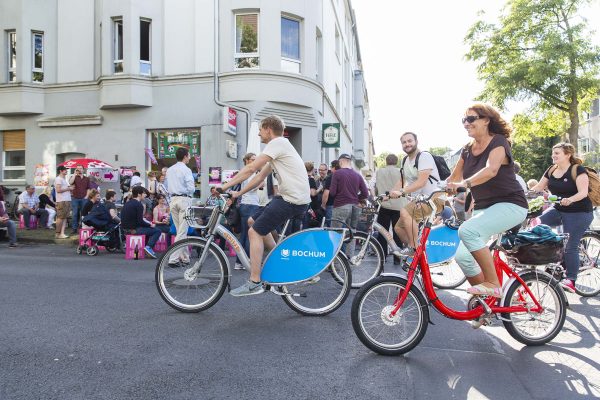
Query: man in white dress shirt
(181, 188)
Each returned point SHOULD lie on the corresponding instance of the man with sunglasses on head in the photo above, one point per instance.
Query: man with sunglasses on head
(417, 178)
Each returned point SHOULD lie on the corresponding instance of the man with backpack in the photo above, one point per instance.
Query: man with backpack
(420, 175)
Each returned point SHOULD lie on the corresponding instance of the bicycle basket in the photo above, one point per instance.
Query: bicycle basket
(538, 253)
(199, 217)
(366, 215)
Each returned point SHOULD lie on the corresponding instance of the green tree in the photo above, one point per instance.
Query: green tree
(439, 151)
(541, 52)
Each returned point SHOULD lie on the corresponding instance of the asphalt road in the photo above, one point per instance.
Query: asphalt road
(79, 327)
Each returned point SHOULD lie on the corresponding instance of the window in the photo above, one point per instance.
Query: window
(319, 57)
(337, 98)
(118, 45)
(37, 71)
(246, 41)
(13, 157)
(290, 45)
(12, 56)
(145, 62)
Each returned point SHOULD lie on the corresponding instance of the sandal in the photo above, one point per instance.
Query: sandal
(481, 290)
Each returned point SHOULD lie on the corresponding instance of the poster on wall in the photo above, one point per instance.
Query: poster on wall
(41, 175)
(230, 120)
(214, 175)
(228, 174)
(170, 141)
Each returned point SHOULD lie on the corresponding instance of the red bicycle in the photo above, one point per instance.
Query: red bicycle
(390, 314)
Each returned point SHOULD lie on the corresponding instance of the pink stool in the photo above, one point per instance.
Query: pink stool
(133, 244)
(161, 245)
(32, 222)
(84, 235)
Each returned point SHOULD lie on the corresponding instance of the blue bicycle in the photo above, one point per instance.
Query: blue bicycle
(307, 269)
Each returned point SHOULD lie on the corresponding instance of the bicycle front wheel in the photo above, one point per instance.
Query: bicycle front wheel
(447, 276)
(323, 293)
(381, 332)
(588, 277)
(533, 328)
(187, 286)
(370, 265)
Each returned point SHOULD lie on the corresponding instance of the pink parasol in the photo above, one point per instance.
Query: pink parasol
(86, 163)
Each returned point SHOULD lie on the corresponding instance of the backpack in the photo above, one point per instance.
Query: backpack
(440, 163)
(594, 185)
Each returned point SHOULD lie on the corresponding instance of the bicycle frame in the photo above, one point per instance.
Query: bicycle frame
(419, 263)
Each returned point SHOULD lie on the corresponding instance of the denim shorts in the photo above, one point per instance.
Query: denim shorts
(275, 213)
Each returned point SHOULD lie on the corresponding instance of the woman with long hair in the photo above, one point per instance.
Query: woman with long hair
(568, 179)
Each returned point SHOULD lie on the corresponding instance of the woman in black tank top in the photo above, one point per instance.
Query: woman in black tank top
(574, 212)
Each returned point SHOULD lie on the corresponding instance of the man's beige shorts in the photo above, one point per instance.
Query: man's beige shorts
(419, 211)
(63, 208)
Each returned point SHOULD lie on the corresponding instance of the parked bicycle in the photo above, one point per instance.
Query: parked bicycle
(390, 314)
(307, 268)
(368, 259)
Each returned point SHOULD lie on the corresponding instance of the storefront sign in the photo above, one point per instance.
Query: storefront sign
(170, 141)
(40, 176)
(230, 121)
(331, 135)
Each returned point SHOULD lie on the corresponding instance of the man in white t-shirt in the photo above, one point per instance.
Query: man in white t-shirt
(63, 201)
(418, 179)
(291, 201)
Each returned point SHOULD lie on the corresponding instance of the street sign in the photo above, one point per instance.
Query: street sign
(331, 135)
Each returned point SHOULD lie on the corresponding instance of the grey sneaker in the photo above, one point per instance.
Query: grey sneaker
(405, 253)
(247, 289)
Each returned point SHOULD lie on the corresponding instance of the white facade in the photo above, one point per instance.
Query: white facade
(589, 130)
(97, 78)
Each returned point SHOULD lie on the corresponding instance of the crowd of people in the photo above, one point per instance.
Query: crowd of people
(269, 189)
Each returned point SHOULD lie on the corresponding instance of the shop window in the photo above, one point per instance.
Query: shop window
(12, 56)
(246, 41)
(118, 45)
(290, 45)
(37, 72)
(145, 40)
(13, 155)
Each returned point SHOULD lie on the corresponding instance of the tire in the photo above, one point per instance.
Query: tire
(92, 251)
(522, 326)
(588, 278)
(192, 294)
(447, 276)
(370, 266)
(390, 337)
(323, 294)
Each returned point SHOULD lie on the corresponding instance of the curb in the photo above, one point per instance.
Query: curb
(61, 242)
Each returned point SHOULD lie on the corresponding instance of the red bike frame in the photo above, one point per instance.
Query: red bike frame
(419, 262)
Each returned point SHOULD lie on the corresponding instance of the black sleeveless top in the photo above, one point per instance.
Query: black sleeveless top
(504, 187)
(565, 186)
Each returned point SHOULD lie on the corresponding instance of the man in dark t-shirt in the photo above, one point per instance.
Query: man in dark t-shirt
(327, 199)
(132, 220)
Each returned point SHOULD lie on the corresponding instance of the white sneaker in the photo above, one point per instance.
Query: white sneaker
(238, 266)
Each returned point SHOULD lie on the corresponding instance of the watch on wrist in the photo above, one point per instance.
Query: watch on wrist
(468, 182)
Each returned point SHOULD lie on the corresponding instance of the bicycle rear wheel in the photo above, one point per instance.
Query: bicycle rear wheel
(588, 278)
(447, 276)
(532, 328)
(370, 265)
(371, 319)
(323, 293)
(192, 292)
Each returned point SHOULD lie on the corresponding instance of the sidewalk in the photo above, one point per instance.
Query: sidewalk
(45, 236)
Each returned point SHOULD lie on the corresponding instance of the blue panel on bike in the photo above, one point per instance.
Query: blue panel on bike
(301, 256)
(442, 244)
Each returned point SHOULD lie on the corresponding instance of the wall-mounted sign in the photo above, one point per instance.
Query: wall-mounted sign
(331, 135)
(40, 176)
(230, 120)
(231, 148)
(170, 141)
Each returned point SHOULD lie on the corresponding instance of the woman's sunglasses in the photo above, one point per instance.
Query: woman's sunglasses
(471, 118)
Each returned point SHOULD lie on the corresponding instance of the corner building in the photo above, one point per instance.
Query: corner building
(114, 79)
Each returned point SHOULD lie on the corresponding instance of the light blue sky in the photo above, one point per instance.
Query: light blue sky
(417, 78)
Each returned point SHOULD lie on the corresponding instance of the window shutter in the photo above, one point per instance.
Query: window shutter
(13, 140)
